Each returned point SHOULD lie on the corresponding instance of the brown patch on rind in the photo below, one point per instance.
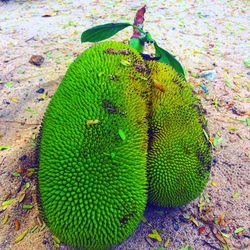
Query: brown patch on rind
(139, 67)
(112, 108)
(111, 51)
(124, 52)
(159, 86)
(126, 218)
(114, 52)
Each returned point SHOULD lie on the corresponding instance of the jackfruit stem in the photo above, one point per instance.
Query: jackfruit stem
(135, 41)
(138, 21)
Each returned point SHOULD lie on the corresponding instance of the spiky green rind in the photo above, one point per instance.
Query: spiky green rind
(92, 177)
(179, 154)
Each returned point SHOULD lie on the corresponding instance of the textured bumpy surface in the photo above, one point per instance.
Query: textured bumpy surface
(179, 154)
(92, 177)
(108, 111)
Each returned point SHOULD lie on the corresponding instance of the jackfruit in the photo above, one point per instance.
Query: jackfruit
(179, 154)
(92, 179)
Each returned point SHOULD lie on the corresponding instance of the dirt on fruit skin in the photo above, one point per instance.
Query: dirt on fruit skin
(211, 39)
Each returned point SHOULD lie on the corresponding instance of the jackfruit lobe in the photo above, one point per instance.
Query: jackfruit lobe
(92, 177)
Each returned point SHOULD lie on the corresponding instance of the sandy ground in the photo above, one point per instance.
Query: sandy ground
(206, 35)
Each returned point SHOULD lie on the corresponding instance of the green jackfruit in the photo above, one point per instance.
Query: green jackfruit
(179, 154)
(92, 180)
(112, 113)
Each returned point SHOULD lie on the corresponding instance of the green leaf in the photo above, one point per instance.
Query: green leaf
(247, 63)
(217, 140)
(225, 235)
(225, 246)
(8, 202)
(242, 119)
(248, 121)
(102, 32)
(9, 84)
(15, 174)
(141, 77)
(121, 134)
(56, 240)
(27, 185)
(33, 229)
(49, 54)
(220, 139)
(236, 195)
(5, 219)
(169, 59)
(21, 236)
(31, 110)
(239, 229)
(206, 135)
(125, 63)
(4, 147)
(27, 206)
(167, 242)
(155, 235)
(136, 44)
(42, 227)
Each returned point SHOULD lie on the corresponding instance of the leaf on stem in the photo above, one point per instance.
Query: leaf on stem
(169, 59)
(102, 32)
